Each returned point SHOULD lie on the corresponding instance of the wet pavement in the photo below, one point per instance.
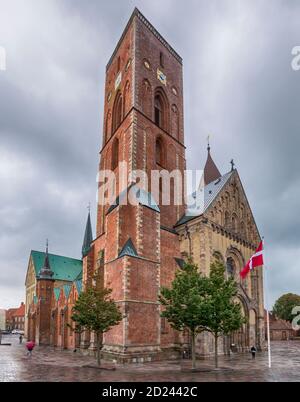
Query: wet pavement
(53, 365)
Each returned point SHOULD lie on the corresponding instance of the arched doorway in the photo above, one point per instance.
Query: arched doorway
(53, 328)
(253, 329)
(239, 340)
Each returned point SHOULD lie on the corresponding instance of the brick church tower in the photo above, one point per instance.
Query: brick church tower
(45, 283)
(137, 249)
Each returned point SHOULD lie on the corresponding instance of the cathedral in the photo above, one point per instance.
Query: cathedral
(139, 246)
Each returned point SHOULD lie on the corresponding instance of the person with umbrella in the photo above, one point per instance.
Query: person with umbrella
(30, 346)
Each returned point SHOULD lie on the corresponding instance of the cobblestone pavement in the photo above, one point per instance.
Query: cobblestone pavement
(51, 365)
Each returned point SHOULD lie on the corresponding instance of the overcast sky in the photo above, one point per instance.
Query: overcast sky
(239, 86)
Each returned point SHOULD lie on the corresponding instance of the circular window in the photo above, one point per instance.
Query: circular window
(147, 64)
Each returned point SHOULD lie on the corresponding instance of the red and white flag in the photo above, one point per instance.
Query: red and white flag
(256, 260)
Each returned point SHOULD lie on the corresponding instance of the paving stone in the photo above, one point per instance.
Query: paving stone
(53, 365)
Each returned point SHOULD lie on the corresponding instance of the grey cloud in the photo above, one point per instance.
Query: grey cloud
(239, 86)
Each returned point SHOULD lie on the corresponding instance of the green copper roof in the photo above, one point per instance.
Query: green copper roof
(57, 293)
(79, 277)
(180, 262)
(128, 250)
(88, 237)
(67, 290)
(139, 195)
(78, 286)
(63, 268)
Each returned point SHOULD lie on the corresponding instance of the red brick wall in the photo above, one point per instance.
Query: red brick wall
(136, 281)
(44, 295)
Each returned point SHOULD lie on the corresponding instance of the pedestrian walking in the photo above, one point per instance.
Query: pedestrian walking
(30, 346)
(253, 351)
(20, 339)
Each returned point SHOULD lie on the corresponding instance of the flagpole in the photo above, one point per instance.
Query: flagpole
(268, 313)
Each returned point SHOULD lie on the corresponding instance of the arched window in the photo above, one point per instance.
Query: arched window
(218, 257)
(126, 98)
(175, 122)
(161, 59)
(230, 266)
(117, 112)
(161, 114)
(254, 288)
(159, 152)
(146, 98)
(158, 111)
(115, 154)
(243, 231)
(227, 220)
(234, 227)
(108, 126)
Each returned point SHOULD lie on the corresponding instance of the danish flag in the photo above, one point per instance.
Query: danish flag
(256, 260)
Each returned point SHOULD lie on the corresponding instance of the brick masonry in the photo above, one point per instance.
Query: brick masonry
(131, 134)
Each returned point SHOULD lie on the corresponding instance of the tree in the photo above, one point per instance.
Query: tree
(284, 306)
(96, 311)
(184, 303)
(223, 314)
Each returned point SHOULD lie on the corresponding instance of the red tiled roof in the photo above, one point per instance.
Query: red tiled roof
(20, 311)
(277, 324)
(10, 313)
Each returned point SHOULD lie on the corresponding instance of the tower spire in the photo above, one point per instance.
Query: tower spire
(211, 172)
(46, 272)
(88, 235)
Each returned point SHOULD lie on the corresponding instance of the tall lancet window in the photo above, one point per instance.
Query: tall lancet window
(115, 154)
(159, 151)
(117, 112)
(158, 111)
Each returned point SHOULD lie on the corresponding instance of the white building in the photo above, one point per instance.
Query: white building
(2, 319)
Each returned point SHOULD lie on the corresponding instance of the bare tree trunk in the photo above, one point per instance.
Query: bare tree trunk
(193, 351)
(98, 349)
(216, 350)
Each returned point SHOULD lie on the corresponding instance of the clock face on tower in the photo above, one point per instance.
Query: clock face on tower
(161, 77)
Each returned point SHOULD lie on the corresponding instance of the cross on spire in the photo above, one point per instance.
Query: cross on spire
(232, 165)
(208, 142)
(89, 207)
(46, 272)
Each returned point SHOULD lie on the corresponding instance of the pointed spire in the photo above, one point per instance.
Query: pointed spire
(46, 272)
(88, 235)
(232, 165)
(211, 172)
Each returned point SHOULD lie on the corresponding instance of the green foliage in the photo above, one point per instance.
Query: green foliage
(185, 302)
(284, 306)
(223, 313)
(96, 311)
(200, 303)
